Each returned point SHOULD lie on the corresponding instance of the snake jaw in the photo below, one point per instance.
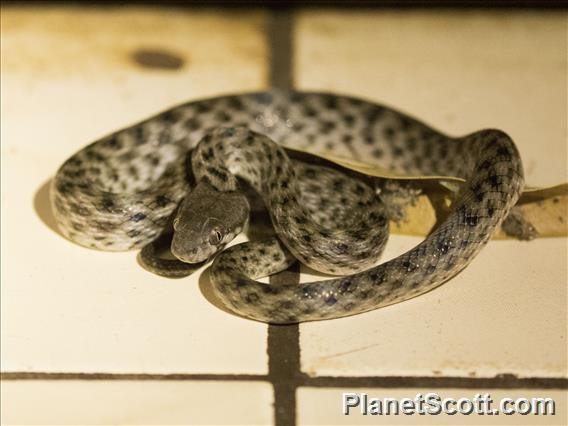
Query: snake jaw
(207, 220)
(191, 247)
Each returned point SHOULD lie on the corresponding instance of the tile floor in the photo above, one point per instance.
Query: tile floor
(70, 75)
(136, 402)
(63, 54)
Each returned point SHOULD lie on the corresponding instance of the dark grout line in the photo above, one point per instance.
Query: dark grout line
(314, 4)
(498, 382)
(283, 345)
(284, 358)
(129, 376)
(284, 368)
(280, 45)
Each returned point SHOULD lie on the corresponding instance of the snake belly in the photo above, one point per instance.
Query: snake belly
(119, 192)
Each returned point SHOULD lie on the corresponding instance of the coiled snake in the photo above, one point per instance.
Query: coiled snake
(120, 193)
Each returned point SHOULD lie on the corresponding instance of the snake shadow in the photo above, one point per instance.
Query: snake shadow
(42, 207)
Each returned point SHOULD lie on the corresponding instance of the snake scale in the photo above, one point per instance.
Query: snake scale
(122, 191)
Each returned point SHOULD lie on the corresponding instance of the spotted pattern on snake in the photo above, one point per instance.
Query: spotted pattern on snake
(119, 192)
(342, 245)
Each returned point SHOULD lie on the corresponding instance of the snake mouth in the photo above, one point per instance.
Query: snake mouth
(194, 254)
(191, 256)
(188, 254)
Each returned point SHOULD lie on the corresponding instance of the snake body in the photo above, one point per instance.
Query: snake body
(120, 192)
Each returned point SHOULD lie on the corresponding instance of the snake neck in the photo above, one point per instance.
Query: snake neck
(228, 153)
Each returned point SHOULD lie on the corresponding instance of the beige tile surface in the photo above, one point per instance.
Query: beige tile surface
(459, 71)
(324, 407)
(68, 77)
(497, 317)
(148, 402)
(456, 70)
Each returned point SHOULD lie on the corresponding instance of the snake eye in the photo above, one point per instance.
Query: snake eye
(215, 237)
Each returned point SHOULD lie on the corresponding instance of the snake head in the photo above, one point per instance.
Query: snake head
(206, 221)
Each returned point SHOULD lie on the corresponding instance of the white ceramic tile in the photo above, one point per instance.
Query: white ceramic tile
(459, 71)
(135, 402)
(68, 78)
(72, 69)
(325, 407)
(504, 314)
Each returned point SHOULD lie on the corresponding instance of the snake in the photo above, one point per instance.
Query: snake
(183, 170)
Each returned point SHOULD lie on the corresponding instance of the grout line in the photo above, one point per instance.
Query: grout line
(293, 375)
(284, 358)
(280, 46)
(128, 376)
(283, 345)
(497, 382)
